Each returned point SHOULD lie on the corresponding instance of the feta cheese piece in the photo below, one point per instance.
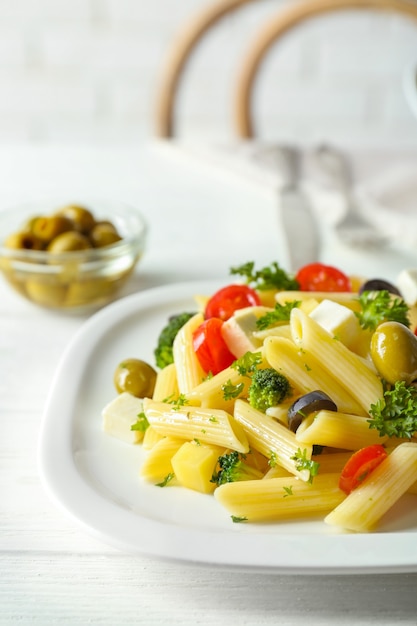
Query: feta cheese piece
(238, 331)
(120, 414)
(407, 284)
(340, 321)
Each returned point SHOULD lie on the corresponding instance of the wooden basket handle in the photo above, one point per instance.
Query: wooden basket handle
(278, 26)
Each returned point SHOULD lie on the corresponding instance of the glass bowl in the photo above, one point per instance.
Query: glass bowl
(75, 281)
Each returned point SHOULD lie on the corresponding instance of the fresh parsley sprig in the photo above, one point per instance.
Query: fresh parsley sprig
(395, 415)
(303, 463)
(270, 277)
(247, 363)
(380, 306)
(141, 424)
(231, 390)
(280, 313)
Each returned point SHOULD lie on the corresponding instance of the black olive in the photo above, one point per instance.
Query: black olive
(306, 404)
(378, 284)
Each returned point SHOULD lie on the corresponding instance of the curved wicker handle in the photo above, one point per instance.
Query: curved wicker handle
(182, 48)
(284, 21)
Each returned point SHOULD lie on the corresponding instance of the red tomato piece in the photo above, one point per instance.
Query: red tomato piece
(360, 465)
(229, 299)
(210, 347)
(320, 277)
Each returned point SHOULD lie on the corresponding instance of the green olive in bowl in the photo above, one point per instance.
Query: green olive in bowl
(82, 218)
(23, 240)
(394, 352)
(47, 228)
(103, 234)
(135, 376)
(69, 242)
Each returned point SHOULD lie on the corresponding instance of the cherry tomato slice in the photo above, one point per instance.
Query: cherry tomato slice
(320, 277)
(210, 347)
(360, 465)
(229, 299)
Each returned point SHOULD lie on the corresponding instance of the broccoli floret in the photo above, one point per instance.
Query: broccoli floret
(163, 350)
(232, 467)
(268, 388)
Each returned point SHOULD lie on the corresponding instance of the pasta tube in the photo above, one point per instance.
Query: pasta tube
(349, 369)
(306, 374)
(166, 385)
(272, 439)
(365, 505)
(210, 392)
(280, 498)
(189, 371)
(346, 298)
(211, 426)
(337, 430)
(157, 464)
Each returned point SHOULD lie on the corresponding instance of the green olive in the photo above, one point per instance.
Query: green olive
(47, 228)
(82, 219)
(394, 352)
(135, 376)
(23, 240)
(69, 242)
(103, 234)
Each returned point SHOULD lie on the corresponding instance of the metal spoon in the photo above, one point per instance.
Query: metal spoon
(353, 229)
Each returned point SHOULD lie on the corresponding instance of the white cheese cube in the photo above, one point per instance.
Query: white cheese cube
(407, 284)
(120, 414)
(238, 331)
(340, 321)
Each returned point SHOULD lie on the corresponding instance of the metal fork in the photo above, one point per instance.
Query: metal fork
(353, 229)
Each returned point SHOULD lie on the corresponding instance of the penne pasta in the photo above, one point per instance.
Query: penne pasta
(166, 385)
(306, 374)
(211, 426)
(210, 393)
(348, 369)
(365, 505)
(157, 464)
(280, 498)
(337, 430)
(189, 371)
(272, 439)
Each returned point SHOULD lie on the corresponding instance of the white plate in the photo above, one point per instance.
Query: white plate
(94, 477)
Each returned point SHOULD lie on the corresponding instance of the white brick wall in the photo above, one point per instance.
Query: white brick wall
(86, 70)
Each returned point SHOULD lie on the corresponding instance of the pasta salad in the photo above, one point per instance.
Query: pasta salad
(281, 396)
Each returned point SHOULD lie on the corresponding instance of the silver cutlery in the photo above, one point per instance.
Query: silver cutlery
(353, 229)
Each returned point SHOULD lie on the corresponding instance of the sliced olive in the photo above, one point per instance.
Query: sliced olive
(394, 352)
(135, 376)
(379, 284)
(306, 404)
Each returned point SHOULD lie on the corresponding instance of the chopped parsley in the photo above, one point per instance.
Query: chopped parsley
(238, 519)
(231, 391)
(271, 277)
(395, 415)
(380, 306)
(288, 492)
(141, 424)
(166, 480)
(280, 313)
(303, 463)
(247, 363)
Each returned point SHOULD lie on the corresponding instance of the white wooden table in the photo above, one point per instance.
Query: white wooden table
(52, 570)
